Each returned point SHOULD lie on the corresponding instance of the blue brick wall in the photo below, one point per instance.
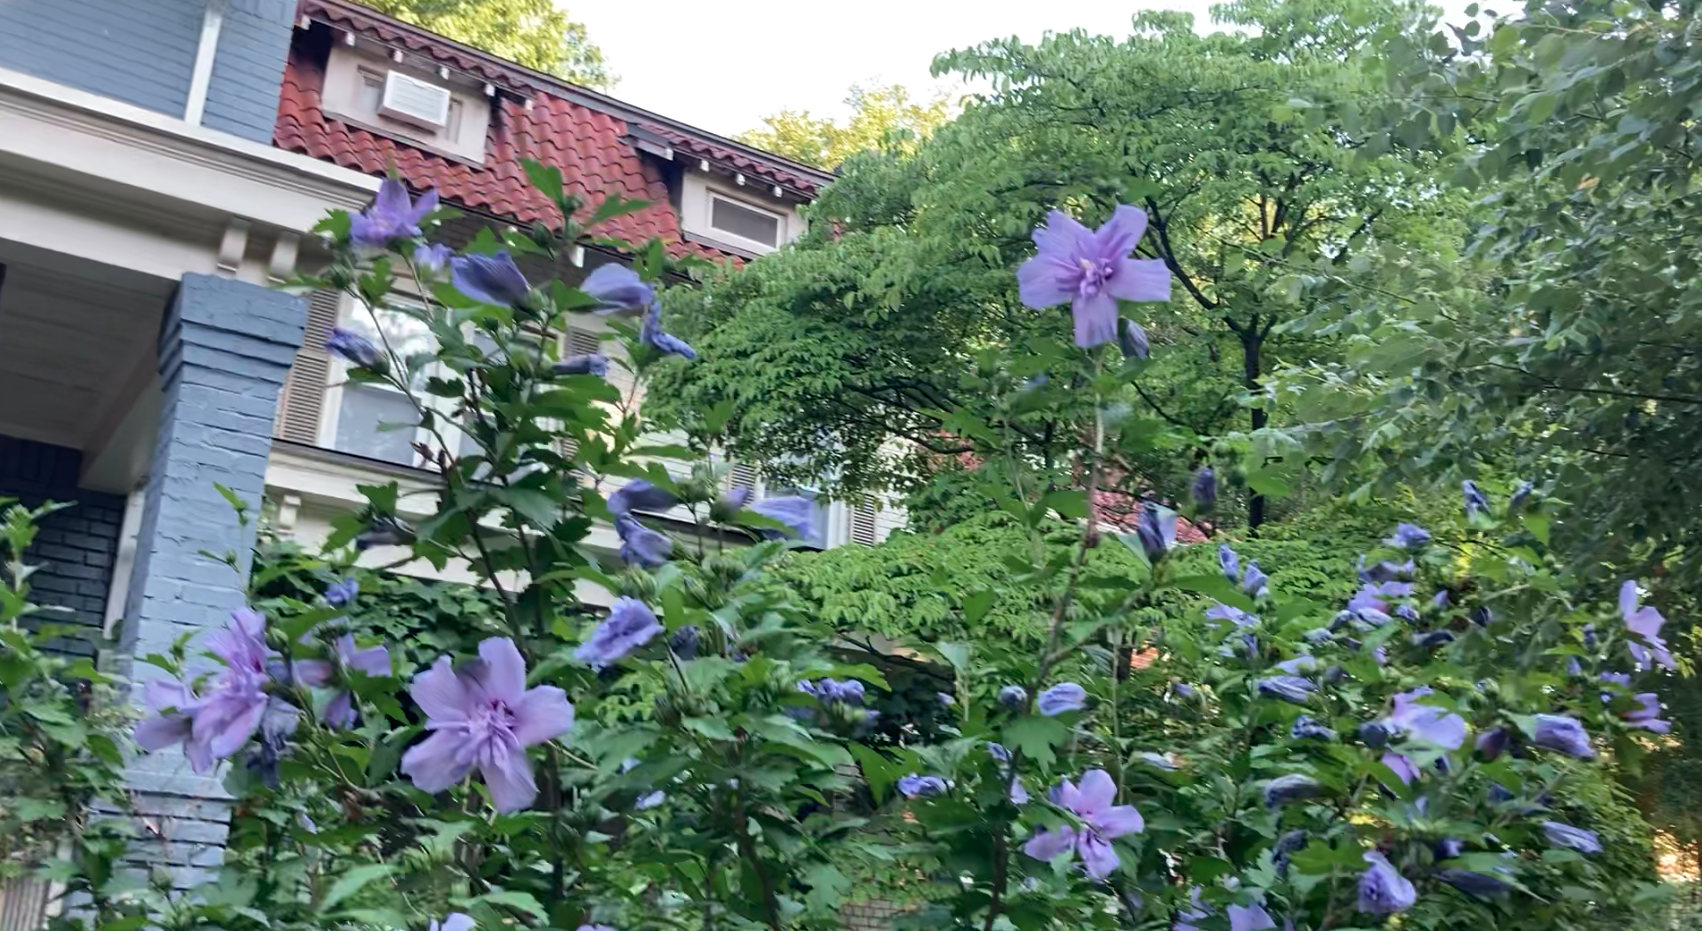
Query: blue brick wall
(242, 98)
(75, 547)
(140, 53)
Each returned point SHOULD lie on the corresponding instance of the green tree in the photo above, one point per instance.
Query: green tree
(882, 323)
(882, 116)
(535, 33)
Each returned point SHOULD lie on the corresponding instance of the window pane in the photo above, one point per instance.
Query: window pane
(744, 222)
(371, 92)
(364, 408)
(407, 336)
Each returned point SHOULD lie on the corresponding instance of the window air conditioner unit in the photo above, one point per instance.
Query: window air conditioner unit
(414, 101)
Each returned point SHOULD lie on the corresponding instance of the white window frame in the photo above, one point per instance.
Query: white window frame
(780, 223)
(338, 376)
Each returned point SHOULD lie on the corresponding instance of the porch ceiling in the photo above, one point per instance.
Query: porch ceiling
(77, 344)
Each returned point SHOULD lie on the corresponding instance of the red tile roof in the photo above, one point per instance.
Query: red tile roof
(740, 161)
(584, 134)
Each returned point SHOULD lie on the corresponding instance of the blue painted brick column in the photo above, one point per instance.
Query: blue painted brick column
(224, 349)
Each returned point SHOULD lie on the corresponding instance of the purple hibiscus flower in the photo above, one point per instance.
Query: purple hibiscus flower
(393, 215)
(1205, 488)
(1232, 614)
(1382, 888)
(491, 279)
(341, 594)
(630, 625)
(1065, 696)
(616, 287)
(641, 545)
(1156, 531)
(1229, 561)
(1476, 501)
(483, 716)
(1648, 715)
(1645, 622)
(1092, 270)
(640, 495)
(1403, 767)
(795, 511)
(231, 707)
(1408, 537)
(372, 661)
(355, 349)
(914, 786)
(1564, 734)
(590, 363)
(454, 921)
(651, 334)
(1101, 822)
(1427, 723)
(171, 720)
(1565, 835)
(432, 259)
(1249, 918)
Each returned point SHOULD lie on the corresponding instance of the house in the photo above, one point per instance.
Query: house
(162, 166)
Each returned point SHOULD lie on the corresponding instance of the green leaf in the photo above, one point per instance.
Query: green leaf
(1214, 585)
(352, 882)
(713, 728)
(546, 178)
(533, 504)
(976, 605)
(1071, 504)
(520, 901)
(614, 206)
(1034, 737)
(876, 769)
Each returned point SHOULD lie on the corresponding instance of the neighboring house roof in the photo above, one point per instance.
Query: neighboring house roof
(591, 137)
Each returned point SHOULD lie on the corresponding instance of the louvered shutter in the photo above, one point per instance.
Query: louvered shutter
(582, 342)
(741, 476)
(864, 527)
(303, 396)
(576, 342)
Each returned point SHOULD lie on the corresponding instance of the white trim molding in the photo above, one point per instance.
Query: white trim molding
(201, 79)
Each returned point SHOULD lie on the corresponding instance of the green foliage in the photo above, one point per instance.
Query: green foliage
(61, 723)
(883, 118)
(535, 33)
(897, 317)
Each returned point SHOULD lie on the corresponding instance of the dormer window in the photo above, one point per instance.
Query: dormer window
(413, 105)
(743, 219)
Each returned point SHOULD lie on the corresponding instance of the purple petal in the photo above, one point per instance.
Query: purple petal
(1117, 821)
(543, 714)
(1061, 235)
(1050, 845)
(340, 712)
(227, 720)
(1120, 234)
(504, 670)
(1096, 855)
(1140, 280)
(1404, 769)
(1046, 281)
(392, 200)
(161, 731)
(436, 763)
(1249, 918)
(508, 775)
(1096, 793)
(374, 661)
(1628, 599)
(314, 673)
(1096, 319)
(440, 693)
(422, 209)
(455, 921)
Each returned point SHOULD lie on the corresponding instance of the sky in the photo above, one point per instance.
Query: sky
(723, 67)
